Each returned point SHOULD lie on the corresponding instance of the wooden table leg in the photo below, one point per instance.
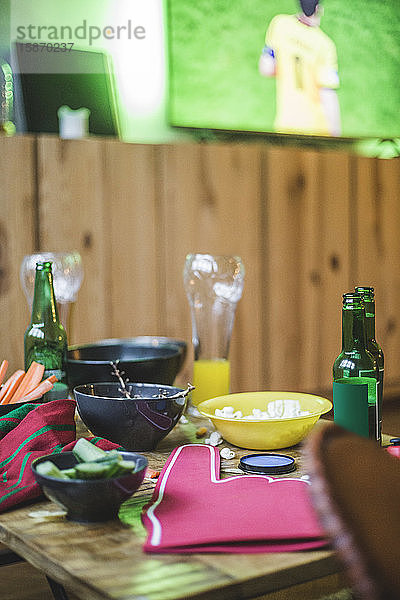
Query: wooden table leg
(57, 589)
(7, 557)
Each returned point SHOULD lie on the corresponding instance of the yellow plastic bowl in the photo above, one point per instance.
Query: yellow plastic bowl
(258, 434)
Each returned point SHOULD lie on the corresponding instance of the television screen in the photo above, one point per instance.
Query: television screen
(46, 81)
(326, 71)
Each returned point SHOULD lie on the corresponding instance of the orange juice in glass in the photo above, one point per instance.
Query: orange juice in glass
(211, 378)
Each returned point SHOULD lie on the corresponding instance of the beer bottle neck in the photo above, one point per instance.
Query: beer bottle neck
(44, 307)
(353, 329)
(370, 320)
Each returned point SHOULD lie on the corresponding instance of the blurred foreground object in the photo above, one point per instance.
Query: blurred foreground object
(7, 126)
(379, 148)
(355, 488)
(73, 124)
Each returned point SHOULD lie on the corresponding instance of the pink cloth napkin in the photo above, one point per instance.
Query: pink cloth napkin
(193, 510)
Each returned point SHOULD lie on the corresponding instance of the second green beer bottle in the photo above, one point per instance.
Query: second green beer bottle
(355, 361)
(45, 339)
(367, 294)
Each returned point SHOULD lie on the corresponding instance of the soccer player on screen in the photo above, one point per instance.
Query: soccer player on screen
(303, 60)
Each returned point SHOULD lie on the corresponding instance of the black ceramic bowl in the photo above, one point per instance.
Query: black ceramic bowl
(134, 423)
(144, 359)
(94, 500)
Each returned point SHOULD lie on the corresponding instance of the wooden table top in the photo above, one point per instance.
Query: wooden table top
(106, 561)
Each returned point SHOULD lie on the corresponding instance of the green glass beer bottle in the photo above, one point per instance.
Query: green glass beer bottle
(355, 361)
(45, 340)
(367, 294)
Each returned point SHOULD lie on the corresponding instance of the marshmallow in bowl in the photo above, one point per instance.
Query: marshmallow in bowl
(228, 412)
(277, 409)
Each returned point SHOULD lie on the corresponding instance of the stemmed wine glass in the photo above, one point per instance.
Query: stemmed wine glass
(67, 277)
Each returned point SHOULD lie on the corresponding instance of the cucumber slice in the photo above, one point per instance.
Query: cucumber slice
(70, 473)
(86, 451)
(125, 466)
(110, 455)
(94, 464)
(91, 470)
(113, 468)
(49, 469)
(112, 460)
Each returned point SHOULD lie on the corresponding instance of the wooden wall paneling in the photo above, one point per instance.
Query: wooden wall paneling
(292, 252)
(387, 183)
(136, 237)
(367, 230)
(376, 237)
(337, 254)
(310, 306)
(74, 215)
(180, 193)
(211, 203)
(17, 238)
(240, 225)
(369, 234)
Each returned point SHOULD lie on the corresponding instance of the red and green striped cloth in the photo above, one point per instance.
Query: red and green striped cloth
(28, 432)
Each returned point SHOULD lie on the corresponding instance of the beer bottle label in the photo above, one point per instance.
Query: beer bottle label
(372, 383)
(60, 389)
(61, 375)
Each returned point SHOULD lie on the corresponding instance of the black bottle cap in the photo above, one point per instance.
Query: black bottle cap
(267, 464)
(395, 441)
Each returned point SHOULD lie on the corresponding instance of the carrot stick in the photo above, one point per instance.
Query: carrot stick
(6, 386)
(12, 386)
(41, 389)
(36, 379)
(32, 378)
(9, 382)
(3, 370)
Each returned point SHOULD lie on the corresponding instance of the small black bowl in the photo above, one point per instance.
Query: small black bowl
(135, 423)
(92, 500)
(144, 359)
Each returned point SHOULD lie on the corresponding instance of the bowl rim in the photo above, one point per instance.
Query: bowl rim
(154, 340)
(115, 383)
(176, 347)
(77, 481)
(318, 413)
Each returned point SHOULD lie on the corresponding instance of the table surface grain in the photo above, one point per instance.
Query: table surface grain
(106, 561)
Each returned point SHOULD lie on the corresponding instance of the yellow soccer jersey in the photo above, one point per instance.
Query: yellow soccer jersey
(306, 61)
